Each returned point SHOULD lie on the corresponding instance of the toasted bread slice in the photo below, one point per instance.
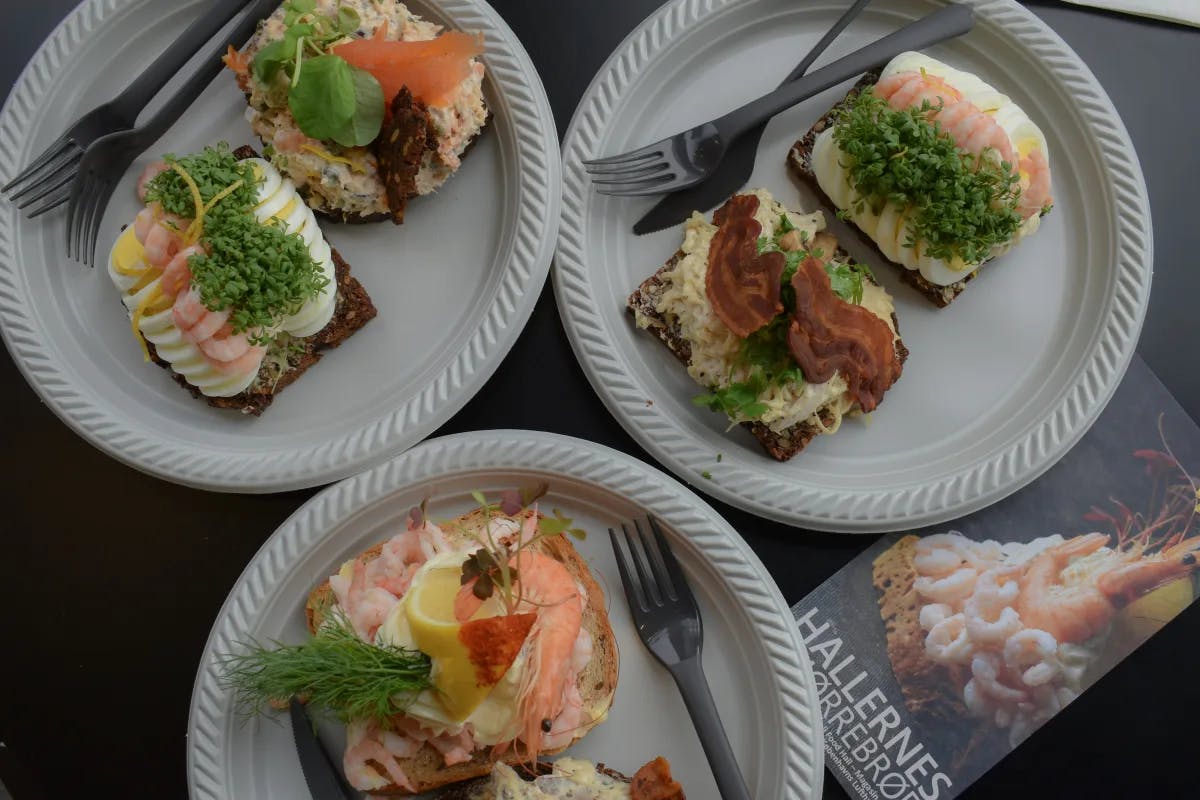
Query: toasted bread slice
(597, 682)
(781, 445)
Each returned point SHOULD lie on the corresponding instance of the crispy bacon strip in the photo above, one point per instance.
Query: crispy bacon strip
(742, 285)
(654, 782)
(829, 335)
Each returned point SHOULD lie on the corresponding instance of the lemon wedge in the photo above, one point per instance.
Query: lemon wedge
(430, 610)
(1145, 616)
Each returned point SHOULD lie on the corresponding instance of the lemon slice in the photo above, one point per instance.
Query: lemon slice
(430, 609)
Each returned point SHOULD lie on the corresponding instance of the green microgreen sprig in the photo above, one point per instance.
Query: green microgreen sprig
(329, 98)
(258, 270)
(335, 670)
(962, 205)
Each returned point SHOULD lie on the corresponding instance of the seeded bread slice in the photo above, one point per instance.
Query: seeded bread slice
(800, 163)
(597, 682)
(642, 304)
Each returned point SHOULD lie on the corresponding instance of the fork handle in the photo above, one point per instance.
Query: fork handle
(209, 65)
(945, 23)
(689, 676)
(129, 103)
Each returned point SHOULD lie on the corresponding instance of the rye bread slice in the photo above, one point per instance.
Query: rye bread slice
(353, 310)
(780, 445)
(597, 682)
(799, 161)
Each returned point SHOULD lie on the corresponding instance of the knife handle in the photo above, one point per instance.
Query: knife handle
(945, 23)
(129, 103)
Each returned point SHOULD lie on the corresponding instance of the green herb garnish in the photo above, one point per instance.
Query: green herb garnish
(329, 98)
(258, 270)
(962, 205)
(489, 567)
(334, 670)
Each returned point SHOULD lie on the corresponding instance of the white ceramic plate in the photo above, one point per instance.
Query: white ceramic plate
(454, 285)
(997, 387)
(758, 670)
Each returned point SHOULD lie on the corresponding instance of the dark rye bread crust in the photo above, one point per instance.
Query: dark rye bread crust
(353, 310)
(781, 446)
(800, 163)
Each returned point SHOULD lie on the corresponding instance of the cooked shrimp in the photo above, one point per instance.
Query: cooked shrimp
(161, 245)
(987, 629)
(985, 667)
(225, 348)
(1142, 574)
(995, 589)
(188, 309)
(243, 365)
(910, 88)
(152, 170)
(143, 222)
(1068, 613)
(177, 276)
(948, 643)
(365, 748)
(1034, 653)
(206, 326)
(546, 587)
(954, 588)
(937, 563)
(976, 132)
(366, 606)
(1035, 184)
(934, 613)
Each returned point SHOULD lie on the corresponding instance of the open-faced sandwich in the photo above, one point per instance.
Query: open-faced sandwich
(939, 171)
(570, 779)
(773, 319)
(988, 638)
(363, 104)
(228, 280)
(450, 647)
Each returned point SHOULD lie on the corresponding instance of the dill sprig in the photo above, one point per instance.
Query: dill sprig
(963, 205)
(334, 670)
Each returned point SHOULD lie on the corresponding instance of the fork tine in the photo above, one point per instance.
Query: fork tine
(655, 149)
(55, 150)
(85, 220)
(655, 185)
(633, 590)
(63, 180)
(63, 165)
(648, 585)
(76, 214)
(89, 255)
(630, 175)
(624, 166)
(666, 584)
(678, 579)
(53, 202)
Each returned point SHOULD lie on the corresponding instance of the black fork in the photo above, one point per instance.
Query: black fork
(668, 622)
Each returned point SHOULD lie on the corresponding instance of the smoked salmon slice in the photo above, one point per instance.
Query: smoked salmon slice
(430, 69)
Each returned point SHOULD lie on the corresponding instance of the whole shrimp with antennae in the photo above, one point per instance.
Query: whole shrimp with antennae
(1076, 611)
(545, 586)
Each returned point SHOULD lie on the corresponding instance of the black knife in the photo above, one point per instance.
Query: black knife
(738, 164)
(322, 776)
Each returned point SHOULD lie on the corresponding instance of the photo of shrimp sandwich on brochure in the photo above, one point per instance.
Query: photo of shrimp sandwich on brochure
(938, 171)
(228, 281)
(993, 639)
(450, 647)
(362, 103)
(774, 320)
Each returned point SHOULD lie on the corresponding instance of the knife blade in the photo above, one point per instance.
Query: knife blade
(738, 164)
(323, 778)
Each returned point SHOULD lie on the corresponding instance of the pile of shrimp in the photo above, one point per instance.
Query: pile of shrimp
(971, 619)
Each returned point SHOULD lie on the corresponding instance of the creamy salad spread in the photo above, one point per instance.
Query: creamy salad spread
(348, 179)
(141, 284)
(888, 228)
(715, 347)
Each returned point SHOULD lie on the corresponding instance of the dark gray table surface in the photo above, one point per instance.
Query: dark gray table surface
(104, 621)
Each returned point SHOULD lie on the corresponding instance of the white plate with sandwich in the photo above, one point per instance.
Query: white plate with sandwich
(207, 374)
(598, 692)
(957, 252)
